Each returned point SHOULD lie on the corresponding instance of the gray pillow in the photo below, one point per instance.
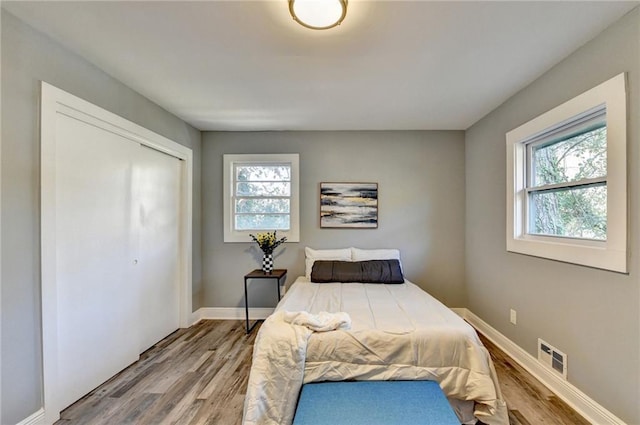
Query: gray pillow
(371, 271)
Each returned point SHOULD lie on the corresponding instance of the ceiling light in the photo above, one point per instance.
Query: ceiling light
(318, 14)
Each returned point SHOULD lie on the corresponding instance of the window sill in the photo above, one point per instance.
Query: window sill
(596, 254)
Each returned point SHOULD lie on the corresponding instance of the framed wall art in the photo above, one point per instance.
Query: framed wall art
(349, 205)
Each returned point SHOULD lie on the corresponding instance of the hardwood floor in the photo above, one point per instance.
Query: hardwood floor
(529, 402)
(199, 376)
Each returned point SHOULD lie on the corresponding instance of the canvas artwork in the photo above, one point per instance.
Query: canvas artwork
(349, 205)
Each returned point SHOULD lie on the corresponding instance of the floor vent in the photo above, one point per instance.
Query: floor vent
(553, 358)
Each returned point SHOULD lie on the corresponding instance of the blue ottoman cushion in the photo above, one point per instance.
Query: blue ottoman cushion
(374, 403)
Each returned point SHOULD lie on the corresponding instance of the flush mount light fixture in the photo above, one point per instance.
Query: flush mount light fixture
(318, 14)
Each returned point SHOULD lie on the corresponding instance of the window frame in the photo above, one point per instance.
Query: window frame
(230, 161)
(610, 254)
(588, 121)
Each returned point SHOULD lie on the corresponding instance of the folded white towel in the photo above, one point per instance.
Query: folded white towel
(320, 322)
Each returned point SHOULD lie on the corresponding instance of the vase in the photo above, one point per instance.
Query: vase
(267, 263)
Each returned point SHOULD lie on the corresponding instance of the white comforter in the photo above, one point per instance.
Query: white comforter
(398, 332)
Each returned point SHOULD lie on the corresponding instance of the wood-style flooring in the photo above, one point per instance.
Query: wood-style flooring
(529, 402)
(199, 376)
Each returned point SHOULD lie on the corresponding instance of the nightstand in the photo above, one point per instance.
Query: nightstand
(277, 275)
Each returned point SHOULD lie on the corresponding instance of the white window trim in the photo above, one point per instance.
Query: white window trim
(232, 235)
(610, 254)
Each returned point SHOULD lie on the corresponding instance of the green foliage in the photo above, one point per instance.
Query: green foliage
(261, 197)
(581, 211)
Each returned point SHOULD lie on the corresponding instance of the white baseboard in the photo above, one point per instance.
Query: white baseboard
(229, 313)
(579, 401)
(459, 311)
(35, 419)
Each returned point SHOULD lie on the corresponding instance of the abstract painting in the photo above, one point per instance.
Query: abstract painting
(349, 205)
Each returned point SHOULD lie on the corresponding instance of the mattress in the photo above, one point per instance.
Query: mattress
(398, 332)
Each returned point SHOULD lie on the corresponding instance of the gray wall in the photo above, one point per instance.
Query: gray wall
(27, 58)
(421, 206)
(591, 315)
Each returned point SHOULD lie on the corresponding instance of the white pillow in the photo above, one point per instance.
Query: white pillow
(311, 255)
(358, 254)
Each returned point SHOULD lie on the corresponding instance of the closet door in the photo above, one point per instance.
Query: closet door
(157, 188)
(116, 244)
(95, 269)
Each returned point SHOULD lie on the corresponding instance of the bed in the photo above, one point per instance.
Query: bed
(397, 332)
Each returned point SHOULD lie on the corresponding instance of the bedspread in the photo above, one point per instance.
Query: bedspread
(399, 332)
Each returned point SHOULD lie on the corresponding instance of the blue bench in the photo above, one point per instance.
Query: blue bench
(374, 403)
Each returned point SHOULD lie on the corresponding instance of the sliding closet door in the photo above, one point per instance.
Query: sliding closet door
(95, 264)
(116, 244)
(157, 183)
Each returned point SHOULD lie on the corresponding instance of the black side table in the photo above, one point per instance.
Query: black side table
(279, 275)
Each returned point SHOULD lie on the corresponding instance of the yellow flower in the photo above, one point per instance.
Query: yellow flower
(267, 241)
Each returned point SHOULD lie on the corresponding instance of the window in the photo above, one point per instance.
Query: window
(566, 181)
(261, 194)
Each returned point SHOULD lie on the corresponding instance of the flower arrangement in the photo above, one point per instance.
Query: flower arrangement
(268, 241)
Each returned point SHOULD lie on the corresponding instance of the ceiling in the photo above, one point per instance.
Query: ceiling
(391, 65)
